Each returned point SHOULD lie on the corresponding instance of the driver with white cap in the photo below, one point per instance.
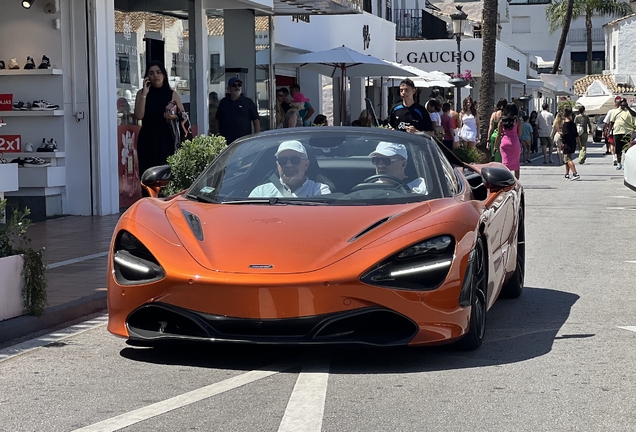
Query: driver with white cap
(390, 160)
(292, 163)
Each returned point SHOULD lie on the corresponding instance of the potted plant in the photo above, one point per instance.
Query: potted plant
(23, 287)
(191, 159)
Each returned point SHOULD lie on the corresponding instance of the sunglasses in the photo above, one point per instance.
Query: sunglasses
(382, 161)
(237, 85)
(295, 160)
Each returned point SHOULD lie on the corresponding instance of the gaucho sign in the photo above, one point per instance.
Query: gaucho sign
(439, 57)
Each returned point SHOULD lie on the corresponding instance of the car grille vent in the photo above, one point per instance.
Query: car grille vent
(371, 227)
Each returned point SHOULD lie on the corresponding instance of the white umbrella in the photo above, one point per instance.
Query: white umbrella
(343, 61)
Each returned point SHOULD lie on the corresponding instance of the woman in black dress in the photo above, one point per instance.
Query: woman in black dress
(155, 142)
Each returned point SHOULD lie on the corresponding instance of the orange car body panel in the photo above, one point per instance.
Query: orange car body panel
(316, 268)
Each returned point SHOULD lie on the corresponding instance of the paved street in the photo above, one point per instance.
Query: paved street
(556, 359)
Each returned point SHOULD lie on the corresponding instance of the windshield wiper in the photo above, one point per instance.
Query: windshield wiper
(278, 201)
(201, 198)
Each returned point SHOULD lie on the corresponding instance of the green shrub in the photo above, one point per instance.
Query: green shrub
(191, 159)
(14, 241)
(468, 155)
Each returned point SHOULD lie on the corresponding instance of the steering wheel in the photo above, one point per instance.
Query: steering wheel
(370, 183)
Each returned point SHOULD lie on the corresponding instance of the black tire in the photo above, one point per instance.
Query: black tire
(478, 307)
(514, 287)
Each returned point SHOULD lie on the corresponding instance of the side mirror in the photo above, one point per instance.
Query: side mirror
(153, 179)
(496, 178)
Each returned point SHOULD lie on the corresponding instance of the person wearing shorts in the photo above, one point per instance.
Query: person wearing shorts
(544, 121)
(622, 125)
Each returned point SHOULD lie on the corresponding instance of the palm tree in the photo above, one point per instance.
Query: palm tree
(489, 29)
(557, 16)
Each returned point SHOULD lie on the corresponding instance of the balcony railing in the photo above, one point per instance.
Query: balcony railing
(578, 35)
(418, 24)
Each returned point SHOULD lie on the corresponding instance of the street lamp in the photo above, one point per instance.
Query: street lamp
(458, 23)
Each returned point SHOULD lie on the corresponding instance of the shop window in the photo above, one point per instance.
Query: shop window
(367, 6)
(521, 25)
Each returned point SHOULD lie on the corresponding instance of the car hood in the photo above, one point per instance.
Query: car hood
(283, 239)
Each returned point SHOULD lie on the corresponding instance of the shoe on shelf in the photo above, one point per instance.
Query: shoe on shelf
(42, 105)
(19, 161)
(17, 105)
(30, 64)
(619, 167)
(32, 162)
(575, 176)
(13, 64)
(2, 65)
(566, 177)
(45, 64)
(28, 147)
(2, 123)
(52, 145)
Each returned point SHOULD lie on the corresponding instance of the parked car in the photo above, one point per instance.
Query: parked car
(629, 166)
(413, 258)
(598, 128)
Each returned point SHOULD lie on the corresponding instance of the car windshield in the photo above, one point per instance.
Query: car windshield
(323, 166)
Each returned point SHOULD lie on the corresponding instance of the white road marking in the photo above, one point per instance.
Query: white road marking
(621, 196)
(630, 328)
(76, 260)
(145, 413)
(306, 406)
(631, 262)
(33, 344)
(615, 208)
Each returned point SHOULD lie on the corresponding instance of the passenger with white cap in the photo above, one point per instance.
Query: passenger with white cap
(292, 163)
(390, 159)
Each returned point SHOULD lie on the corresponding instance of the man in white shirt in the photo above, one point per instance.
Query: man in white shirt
(390, 159)
(607, 129)
(292, 163)
(545, 119)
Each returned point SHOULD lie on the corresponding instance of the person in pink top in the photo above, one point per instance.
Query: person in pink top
(447, 124)
(507, 142)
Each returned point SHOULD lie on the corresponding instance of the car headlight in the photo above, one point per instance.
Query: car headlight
(422, 266)
(133, 263)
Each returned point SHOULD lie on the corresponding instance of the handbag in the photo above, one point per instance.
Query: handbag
(180, 127)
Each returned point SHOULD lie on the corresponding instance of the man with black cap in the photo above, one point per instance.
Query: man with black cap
(236, 113)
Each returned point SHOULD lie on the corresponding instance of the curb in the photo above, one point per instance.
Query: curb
(24, 325)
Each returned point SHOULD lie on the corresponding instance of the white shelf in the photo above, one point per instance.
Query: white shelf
(8, 177)
(42, 176)
(27, 72)
(32, 113)
(42, 155)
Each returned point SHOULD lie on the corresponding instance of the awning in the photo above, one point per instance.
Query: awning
(595, 105)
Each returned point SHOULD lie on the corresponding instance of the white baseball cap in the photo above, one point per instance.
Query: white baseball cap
(292, 145)
(390, 149)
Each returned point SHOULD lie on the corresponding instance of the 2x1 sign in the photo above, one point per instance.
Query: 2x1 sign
(6, 102)
(10, 143)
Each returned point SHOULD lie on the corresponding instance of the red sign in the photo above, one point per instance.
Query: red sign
(6, 102)
(10, 143)
(129, 184)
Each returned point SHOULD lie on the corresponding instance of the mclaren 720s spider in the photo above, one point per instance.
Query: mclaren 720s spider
(329, 235)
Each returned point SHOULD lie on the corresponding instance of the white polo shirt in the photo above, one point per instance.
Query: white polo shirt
(418, 186)
(308, 189)
(544, 121)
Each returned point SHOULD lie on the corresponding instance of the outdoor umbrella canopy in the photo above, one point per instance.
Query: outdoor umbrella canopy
(342, 62)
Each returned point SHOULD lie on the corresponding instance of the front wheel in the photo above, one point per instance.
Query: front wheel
(478, 307)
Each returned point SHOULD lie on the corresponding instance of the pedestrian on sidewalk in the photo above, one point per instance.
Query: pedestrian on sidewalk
(583, 127)
(407, 115)
(526, 137)
(569, 142)
(508, 131)
(557, 127)
(623, 126)
(535, 132)
(492, 128)
(307, 111)
(545, 119)
(447, 124)
(236, 113)
(607, 129)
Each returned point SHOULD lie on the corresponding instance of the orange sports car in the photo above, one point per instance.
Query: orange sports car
(329, 235)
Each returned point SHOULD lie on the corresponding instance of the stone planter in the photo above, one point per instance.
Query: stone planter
(11, 287)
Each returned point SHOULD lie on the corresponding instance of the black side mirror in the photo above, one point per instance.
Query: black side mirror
(157, 177)
(496, 178)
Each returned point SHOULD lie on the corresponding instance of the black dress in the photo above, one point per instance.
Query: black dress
(155, 142)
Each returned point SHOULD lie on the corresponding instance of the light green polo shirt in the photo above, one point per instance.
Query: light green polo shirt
(623, 122)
